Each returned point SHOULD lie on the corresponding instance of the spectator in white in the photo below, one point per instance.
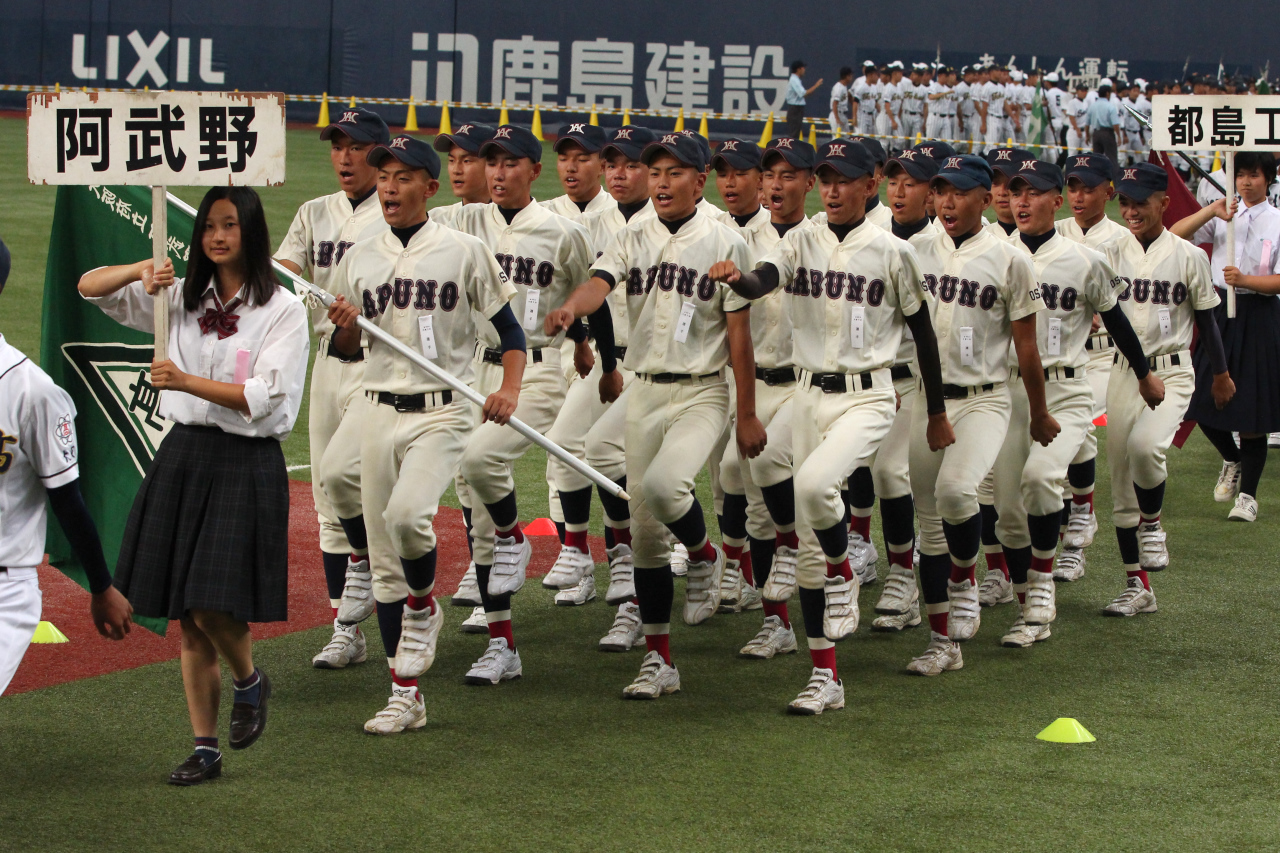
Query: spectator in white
(796, 94)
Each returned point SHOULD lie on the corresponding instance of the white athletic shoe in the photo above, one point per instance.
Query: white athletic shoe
(900, 593)
(730, 586)
(419, 630)
(347, 646)
(773, 639)
(781, 584)
(571, 566)
(626, 630)
(576, 596)
(995, 589)
(965, 613)
(1273, 440)
(476, 623)
(1153, 552)
(405, 711)
(942, 656)
(1023, 636)
(1135, 599)
(510, 562)
(915, 554)
(357, 593)
(656, 678)
(622, 580)
(863, 557)
(702, 589)
(468, 594)
(1082, 526)
(1246, 509)
(1228, 483)
(894, 622)
(1041, 605)
(750, 599)
(679, 560)
(822, 693)
(1069, 566)
(499, 662)
(840, 615)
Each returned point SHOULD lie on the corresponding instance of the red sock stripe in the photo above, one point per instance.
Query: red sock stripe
(514, 533)
(502, 629)
(825, 659)
(403, 682)
(418, 602)
(1042, 564)
(938, 623)
(744, 563)
(779, 609)
(840, 569)
(861, 525)
(622, 536)
(705, 554)
(660, 643)
(577, 539)
(960, 574)
(902, 558)
(1141, 574)
(1083, 499)
(996, 563)
(788, 539)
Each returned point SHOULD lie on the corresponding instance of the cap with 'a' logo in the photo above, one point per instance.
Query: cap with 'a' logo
(1039, 174)
(684, 148)
(935, 148)
(1140, 181)
(360, 125)
(737, 154)
(629, 141)
(796, 152)
(468, 137)
(516, 141)
(1007, 160)
(915, 163)
(588, 137)
(1090, 169)
(964, 172)
(414, 153)
(846, 157)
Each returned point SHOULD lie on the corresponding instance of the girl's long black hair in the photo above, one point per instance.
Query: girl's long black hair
(255, 248)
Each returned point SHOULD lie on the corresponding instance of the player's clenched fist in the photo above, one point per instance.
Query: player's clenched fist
(343, 314)
(155, 279)
(558, 320)
(725, 271)
(500, 405)
(751, 436)
(939, 432)
(1151, 387)
(1044, 429)
(610, 386)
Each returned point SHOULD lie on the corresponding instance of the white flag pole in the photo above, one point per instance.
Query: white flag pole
(444, 376)
(1229, 166)
(159, 252)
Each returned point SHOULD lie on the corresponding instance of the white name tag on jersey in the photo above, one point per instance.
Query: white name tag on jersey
(966, 346)
(427, 336)
(857, 319)
(1166, 323)
(531, 298)
(685, 321)
(1053, 343)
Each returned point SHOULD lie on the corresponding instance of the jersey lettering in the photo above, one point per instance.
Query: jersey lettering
(402, 292)
(375, 301)
(635, 282)
(6, 456)
(329, 253)
(426, 300)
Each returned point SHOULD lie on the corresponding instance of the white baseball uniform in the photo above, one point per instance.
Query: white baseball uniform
(868, 97)
(994, 94)
(1075, 108)
(912, 121)
(839, 116)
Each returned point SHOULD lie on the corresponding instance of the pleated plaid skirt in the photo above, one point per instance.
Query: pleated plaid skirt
(209, 529)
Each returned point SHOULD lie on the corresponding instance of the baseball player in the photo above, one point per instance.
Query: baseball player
(546, 255)
(1077, 127)
(913, 100)
(1075, 284)
(1056, 97)
(1004, 164)
(866, 94)
(321, 233)
(889, 115)
(983, 298)
(1168, 290)
(851, 289)
(841, 103)
(466, 170)
(683, 330)
(877, 213)
(427, 285)
(996, 119)
(39, 461)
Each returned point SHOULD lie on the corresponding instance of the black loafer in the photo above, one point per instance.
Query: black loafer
(248, 721)
(194, 770)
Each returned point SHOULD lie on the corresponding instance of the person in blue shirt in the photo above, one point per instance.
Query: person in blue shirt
(796, 94)
(1103, 119)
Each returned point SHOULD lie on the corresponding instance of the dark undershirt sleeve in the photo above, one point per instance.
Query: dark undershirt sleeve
(509, 331)
(761, 282)
(1126, 340)
(927, 359)
(605, 277)
(577, 332)
(1211, 340)
(602, 329)
(68, 507)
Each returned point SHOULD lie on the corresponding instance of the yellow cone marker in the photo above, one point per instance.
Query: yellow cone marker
(46, 632)
(446, 123)
(679, 121)
(1217, 161)
(703, 130)
(594, 120)
(919, 138)
(503, 118)
(352, 105)
(411, 120)
(323, 121)
(1066, 730)
(813, 134)
(536, 127)
(767, 134)
(626, 117)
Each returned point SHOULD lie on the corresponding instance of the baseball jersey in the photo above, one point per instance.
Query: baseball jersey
(322, 231)
(1164, 287)
(866, 95)
(1075, 283)
(601, 227)
(847, 298)
(995, 98)
(427, 295)
(922, 238)
(840, 97)
(676, 312)
(975, 293)
(1055, 98)
(770, 320)
(1075, 109)
(912, 98)
(545, 255)
(964, 97)
(1104, 236)
(37, 452)
(568, 208)
(445, 215)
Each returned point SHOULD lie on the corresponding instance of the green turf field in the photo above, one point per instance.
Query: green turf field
(1182, 704)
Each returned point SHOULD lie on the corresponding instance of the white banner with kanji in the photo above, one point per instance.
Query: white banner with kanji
(1215, 122)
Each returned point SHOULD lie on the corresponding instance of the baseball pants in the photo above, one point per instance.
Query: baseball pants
(567, 349)
(487, 462)
(582, 410)
(973, 132)
(891, 468)
(1099, 375)
(884, 130)
(1076, 143)
(717, 452)
(910, 126)
(992, 138)
(671, 430)
(832, 434)
(772, 466)
(1138, 437)
(839, 125)
(866, 123)
(1028, 475)
(19, 615)
(334, 386)
(945, 484)
(937, 127)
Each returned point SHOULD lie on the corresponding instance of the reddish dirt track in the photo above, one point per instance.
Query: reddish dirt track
(66, 605)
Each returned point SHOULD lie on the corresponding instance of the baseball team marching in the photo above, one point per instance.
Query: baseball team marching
(906, 350)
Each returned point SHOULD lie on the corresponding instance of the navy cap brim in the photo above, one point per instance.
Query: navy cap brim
(354, 132)
(841, 167)
(735, 160)
(917, 170)
(1040, 182)
(1136, 192)
(964, 183)
(655, 149)
(379, 154)
(579, 141)
(630, 150)
(793, 157)
(1089, 179)
(506, 146)
(444, 143)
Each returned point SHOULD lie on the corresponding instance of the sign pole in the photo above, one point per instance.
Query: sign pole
(159, 253)
(1229, 166)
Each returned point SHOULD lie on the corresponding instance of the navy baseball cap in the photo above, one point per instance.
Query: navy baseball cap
(915, 163)
(1090, 169)
(703, 142)
(1007, 160)
(361, 125)
(4, 264)
(630, 141)
(797, 152)
(516, 141)
(965, 172)
(1140, 181)
(588, 137)
(737, 154)
(468, 137)
(936, 149)
(873, 145)
(847, 157)
(414, 153)
(1040, 174)
(684, 148)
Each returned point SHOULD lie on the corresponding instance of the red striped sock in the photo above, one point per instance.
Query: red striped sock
(779, 609)
(1083, 499)
(514, 533)
(960, 574)
(1042, 564)
(861, 524)
(825, 659)
(902, 558)
(788, 539)
(419, 602)
(660, 643)
(403, 682)
(622, 535)
(704, 554)
(744, 565)
(840, 569)
(335, 611)
(502, 629)
(995, 562)
(1142, 575)
(938, 623)
(576, 539)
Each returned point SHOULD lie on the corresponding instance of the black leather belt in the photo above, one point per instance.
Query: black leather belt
(619, 353)
(900, 371)
(333, 352)
(1089, 343)
(670, 378)
(1067, 372)
(838, 383)
(961, 392)
(414, 402)
(776, 375)
(1174, 360)
(493, 355)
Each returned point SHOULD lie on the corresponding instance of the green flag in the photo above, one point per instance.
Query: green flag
(1035, 125)
(103, 365)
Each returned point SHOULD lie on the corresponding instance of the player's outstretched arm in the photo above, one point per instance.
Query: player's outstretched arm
(585, 300)
(939, 431)
(110, 610)
(751, 433)
(1150, 386)
(610, 379)
(501, 404)
(749, 285)
(1043, 427)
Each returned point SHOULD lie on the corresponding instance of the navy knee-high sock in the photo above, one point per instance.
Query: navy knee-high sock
(1253, 458)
